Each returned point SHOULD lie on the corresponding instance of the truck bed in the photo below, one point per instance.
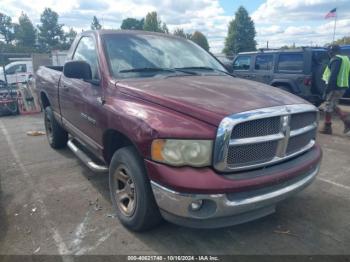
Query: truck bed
(47, 80)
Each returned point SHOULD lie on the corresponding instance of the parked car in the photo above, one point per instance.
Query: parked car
(345, 50)
(17, 72)
(180, 137)
(298, 71)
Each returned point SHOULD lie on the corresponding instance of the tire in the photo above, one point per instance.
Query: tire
(134, 204)
(56, 135)
(13, 108)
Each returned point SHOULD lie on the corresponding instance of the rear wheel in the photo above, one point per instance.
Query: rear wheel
(131, 192)
(56, 135)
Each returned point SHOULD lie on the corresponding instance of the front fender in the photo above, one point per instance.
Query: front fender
(142, 122)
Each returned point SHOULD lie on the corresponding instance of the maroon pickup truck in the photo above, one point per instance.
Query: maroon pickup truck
(181, 138)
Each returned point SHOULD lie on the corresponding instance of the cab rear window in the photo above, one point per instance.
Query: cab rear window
(290, 62)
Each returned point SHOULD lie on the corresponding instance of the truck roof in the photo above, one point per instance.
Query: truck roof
(128, 32)
(294, 50)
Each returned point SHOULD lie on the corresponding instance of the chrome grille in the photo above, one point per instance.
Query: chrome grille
(300, 141)
(251, 153)
(301, 120)
(263, 137)
(259, 127)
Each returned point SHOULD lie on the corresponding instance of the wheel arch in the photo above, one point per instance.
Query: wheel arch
(44, 100)
(113, 140)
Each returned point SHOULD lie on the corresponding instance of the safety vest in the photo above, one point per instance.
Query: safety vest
(343, 75)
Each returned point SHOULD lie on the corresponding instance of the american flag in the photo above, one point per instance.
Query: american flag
(332, 13)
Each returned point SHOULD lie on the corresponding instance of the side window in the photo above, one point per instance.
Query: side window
(86, 51)
(21, 68)
(264, 62)
(11, 70)
(290, 62)
(242, 63)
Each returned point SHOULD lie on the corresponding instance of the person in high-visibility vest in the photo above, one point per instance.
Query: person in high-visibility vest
(336, 77)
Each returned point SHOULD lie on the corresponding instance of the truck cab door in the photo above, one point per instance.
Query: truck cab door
(263, 68)
(242, 66)
(81, 100)
(21, 73)
(11, 74)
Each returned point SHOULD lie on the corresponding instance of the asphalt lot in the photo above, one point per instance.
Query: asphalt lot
(50, 203)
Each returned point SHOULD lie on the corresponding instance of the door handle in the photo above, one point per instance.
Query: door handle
(65, 88)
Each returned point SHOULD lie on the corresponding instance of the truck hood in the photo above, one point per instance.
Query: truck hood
(207, 98)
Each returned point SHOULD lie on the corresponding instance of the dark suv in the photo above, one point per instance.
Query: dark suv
(298, 71)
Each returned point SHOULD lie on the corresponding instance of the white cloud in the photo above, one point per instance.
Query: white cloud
(206, 16)
(300, 21)
(292, 11)
(279, 22)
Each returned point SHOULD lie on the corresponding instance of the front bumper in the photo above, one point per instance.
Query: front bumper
(219, 210)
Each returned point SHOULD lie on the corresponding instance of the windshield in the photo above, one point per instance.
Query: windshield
(129, 53)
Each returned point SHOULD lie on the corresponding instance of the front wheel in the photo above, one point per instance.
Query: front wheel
(131, 192)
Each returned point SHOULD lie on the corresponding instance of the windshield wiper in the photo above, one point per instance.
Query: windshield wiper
(157, 69)
(202, 68)
(147, 69)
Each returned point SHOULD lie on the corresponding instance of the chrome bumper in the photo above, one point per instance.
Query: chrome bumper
(219, 206)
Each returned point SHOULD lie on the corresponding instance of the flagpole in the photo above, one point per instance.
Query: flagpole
(335, 25)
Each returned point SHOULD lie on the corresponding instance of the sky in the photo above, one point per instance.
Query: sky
(280, 22)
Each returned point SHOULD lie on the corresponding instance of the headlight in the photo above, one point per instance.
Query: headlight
(175, 152)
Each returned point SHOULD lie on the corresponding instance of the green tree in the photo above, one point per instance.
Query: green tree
(68, 39)
(188, 35)
(132, 24)
(241, 34)
(153, 24)
(51, 34)
(165, 29)
(200, 40)
(25, 32)
(343, 41)
(288, 46)
(95, 25)
(6, 28)
(179, 32)
(10, 48)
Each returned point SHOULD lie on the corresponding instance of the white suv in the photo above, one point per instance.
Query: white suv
(17, 72)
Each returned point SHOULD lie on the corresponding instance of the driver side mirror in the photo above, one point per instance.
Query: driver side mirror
(77, 69)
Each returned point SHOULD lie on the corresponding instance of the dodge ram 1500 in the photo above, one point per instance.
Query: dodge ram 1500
(181, 138)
